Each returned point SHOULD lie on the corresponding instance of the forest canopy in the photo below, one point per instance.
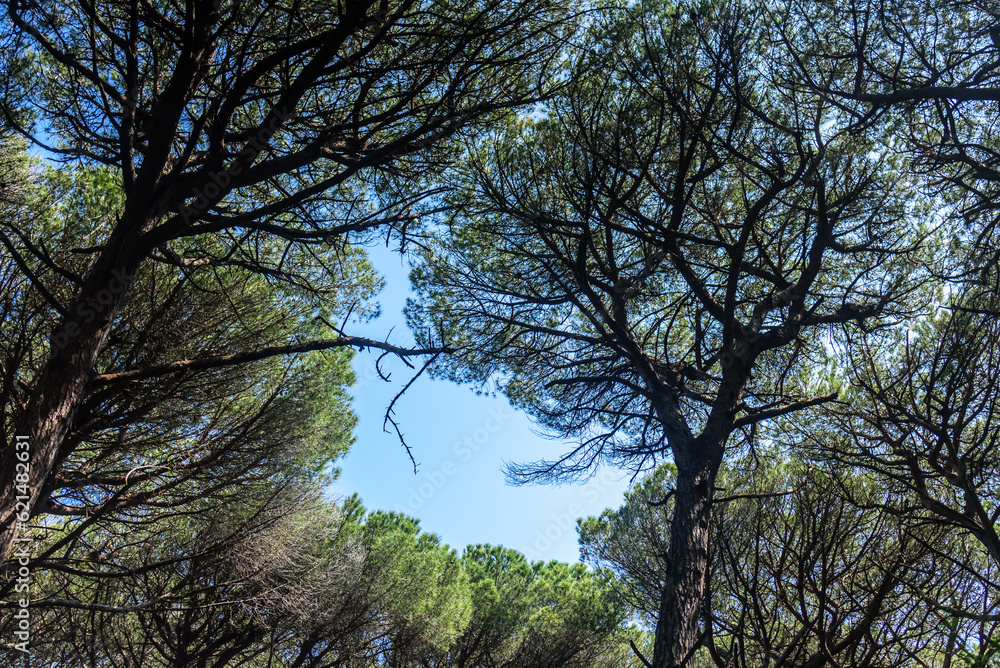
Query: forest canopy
(746, 252)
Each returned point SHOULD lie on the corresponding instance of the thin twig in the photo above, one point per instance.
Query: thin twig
(388, 411)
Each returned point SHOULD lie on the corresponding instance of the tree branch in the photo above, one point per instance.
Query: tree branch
(256, 355)
(783, 410)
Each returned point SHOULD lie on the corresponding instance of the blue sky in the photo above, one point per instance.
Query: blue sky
(460, 441)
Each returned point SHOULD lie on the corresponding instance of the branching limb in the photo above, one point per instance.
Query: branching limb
(255, 355)
(388, 411)
(635, 650)
(753, 418)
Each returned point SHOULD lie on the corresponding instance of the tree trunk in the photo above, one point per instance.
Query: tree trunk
(684, 591)
(57, 394)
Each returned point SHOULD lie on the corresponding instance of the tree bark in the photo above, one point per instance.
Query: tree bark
(75, 346)
(684, 591)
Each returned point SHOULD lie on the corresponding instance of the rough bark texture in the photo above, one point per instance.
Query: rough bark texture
(698, 459)
(75, 346)
(683, 593)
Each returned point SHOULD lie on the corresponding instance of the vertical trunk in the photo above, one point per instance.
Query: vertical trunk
(684, 591)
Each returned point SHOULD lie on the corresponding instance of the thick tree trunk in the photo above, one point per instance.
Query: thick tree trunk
(684, 591)
(57, 394)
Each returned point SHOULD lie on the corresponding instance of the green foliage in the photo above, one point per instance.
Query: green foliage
(803, 562)
(631, 541)
(292, 577)
(711, 222)
(535, 614)
(421, 582)
(642, 221)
